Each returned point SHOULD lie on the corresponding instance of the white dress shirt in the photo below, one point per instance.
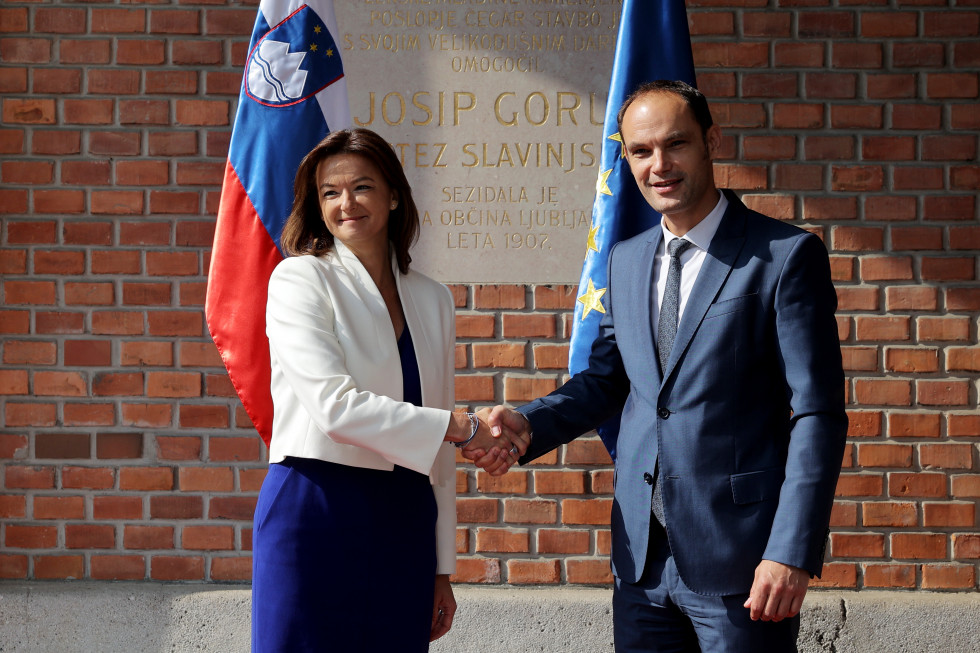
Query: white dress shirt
(691, 260)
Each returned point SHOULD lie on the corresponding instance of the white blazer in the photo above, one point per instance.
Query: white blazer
(337, 380)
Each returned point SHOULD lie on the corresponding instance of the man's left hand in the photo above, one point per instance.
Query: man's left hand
(777, 591)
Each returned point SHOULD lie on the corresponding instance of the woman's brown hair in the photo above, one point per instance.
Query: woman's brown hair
(305, 231)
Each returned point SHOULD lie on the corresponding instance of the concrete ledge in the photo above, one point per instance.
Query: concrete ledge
(69, 617)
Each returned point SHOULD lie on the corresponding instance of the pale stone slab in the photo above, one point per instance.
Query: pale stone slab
(496, 109)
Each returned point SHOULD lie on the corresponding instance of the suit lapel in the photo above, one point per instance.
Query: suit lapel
(644, 283)
(724, 248)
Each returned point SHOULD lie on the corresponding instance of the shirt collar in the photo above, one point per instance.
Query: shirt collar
(703, 232)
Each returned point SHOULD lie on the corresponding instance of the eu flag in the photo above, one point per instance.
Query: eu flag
(653, 43)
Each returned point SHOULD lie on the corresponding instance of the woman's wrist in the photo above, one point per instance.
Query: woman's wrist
(474, 427)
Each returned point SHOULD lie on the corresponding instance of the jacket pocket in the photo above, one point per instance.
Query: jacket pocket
(752, 487)
(731, 305)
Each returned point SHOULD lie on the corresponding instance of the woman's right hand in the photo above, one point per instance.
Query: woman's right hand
(494, 453)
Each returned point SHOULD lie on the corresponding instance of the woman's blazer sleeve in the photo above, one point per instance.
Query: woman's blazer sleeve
(301, 322)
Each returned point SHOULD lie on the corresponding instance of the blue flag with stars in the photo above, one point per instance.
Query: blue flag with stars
(653, 43)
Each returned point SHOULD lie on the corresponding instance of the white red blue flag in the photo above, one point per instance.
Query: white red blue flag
(293, 93)
(653, 43)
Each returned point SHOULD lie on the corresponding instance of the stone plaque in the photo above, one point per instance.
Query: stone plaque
(495, 108)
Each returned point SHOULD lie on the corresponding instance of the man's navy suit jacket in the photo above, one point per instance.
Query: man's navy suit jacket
(748, 418)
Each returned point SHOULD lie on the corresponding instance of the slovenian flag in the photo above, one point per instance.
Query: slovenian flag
(654, 43)
(293, 93)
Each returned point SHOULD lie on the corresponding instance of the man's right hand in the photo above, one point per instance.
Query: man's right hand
(505, 425)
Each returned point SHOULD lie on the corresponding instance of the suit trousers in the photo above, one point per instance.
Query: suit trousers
(661, 614)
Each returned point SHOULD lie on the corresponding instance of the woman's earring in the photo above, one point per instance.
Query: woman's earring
(394, 204)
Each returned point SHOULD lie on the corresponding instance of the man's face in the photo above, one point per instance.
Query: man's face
(670, 158)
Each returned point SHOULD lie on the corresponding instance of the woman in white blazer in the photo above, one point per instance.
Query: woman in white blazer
(354, 534)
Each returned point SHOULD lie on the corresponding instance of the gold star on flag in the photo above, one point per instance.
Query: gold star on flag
(600, 185)
(317, 29)
(313, 47)
(591, 300)
(329, 52)
(622, 146)
(591, 244)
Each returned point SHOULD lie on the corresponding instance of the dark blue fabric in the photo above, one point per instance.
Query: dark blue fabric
(344, 558)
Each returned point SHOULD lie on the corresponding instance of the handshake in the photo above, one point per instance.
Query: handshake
(502, 436)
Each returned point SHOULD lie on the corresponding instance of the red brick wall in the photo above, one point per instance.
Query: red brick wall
(127, 456)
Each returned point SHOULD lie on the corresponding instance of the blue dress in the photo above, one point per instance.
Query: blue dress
(344, 558)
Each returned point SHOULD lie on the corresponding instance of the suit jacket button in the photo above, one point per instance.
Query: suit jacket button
(648, 478)
(663, 413)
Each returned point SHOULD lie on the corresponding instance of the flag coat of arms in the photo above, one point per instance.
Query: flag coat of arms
(653, 43)
(293, 93)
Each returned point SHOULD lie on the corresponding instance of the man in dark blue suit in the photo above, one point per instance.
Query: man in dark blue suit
(731, 436)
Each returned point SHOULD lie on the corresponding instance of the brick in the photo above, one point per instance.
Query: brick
(121, 143)
(90, 478)
(886, 268)
(140, 52)
(918, 54)
(30, 352)
(856, 117)
(27, 172)
(173, 384)
(889, 514)
(118, 567)
(118, 446)
(89, 294)
(520, 389)
(837, 574)
(62, 445)
(857, 545)
(204, 113)
(942, 392)
(516, 482)
(586, 511)
(843, 514)
(730, 55)
(529, 511)
(951, 85)
(25, 50)
(589, 572)
(918, 546)
(502, 540)
(949, 515)
(963, 299)
(586, 452)
(912, 360)
(147, 415)
(206, 479)
(199, 354)
(238, 508)
(88, 414)
(525, 325)
(236, 568)
(13, 507)
(176, 507)
(858, 55)
(889, 575)
(55, 567)
(117, 384)
(559, 482)
(533, 572)
(498, 297)
(87, 233)
(858, 485)
(891, 208)
(948, 268)
(884, 455)
(174, 568)
(946, 456)
(117, 508)
(856, 178)
(563, 540)
(477, 510)
(30, 415)
(146, 479)
(922, 485)
(829, 208)
(63, 507)
(949, 576)
(198, 53)
(963, 425)
(863, 423)
(798, 54)
(89, 536)
(798, 177)
(476, 570)
(13, 382)
(495, 355)
(966, 546)
(938, 329)
(29, 292)
(207, 538)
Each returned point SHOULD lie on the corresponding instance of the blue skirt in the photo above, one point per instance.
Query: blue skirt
(343, 559)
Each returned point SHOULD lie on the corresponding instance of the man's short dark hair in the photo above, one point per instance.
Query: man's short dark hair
(693, 97)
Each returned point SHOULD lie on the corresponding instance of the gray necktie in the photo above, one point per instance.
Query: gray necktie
(667, 329)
